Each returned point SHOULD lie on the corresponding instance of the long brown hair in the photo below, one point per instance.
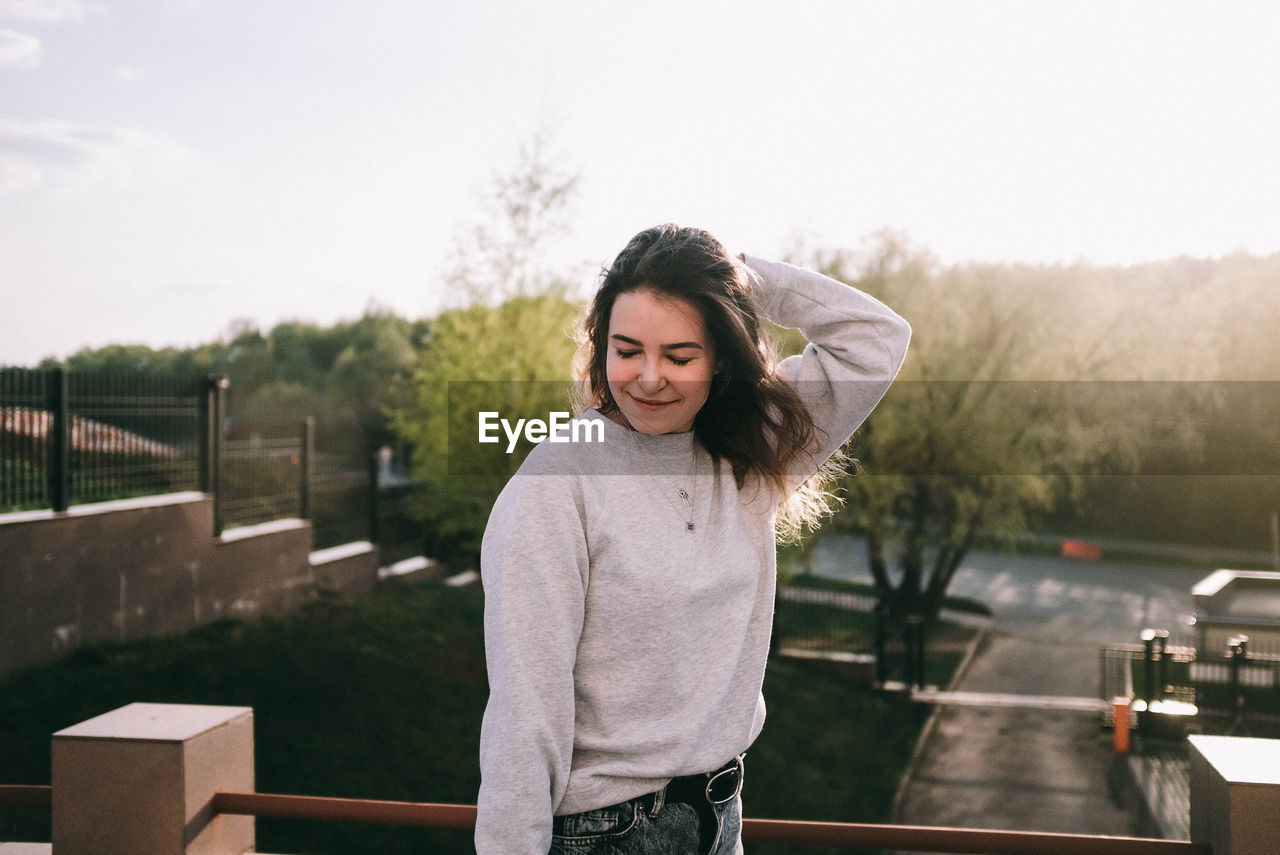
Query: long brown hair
(751, 417)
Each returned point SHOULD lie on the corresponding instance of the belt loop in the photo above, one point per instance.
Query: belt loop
(659, 800)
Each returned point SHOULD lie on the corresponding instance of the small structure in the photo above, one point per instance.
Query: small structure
(1234, 785)
(141, 779)
(1230, 603)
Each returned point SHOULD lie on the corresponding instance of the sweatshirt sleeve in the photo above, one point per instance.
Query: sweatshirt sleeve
(534, 564)
(856, 346)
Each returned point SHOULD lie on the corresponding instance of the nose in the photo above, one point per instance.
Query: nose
(651, 377)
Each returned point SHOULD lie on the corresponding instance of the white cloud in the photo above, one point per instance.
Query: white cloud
(19, 50)
(127, 74)
(70, 156)
(48, 11)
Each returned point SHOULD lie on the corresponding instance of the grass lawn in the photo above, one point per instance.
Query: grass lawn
(382, 698)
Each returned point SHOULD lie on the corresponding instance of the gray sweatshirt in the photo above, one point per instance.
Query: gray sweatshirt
(622, 649)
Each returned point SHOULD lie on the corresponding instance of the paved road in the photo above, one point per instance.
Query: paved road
(1020, 769)
(1047, 598)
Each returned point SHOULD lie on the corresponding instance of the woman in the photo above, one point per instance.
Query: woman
(629, 583)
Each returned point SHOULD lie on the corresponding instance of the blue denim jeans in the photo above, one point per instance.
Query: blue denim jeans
(637, 828)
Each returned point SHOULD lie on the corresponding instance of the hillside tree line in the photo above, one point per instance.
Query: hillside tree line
(1133, 401)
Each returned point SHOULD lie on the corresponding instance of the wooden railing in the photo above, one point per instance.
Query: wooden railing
(909, 838)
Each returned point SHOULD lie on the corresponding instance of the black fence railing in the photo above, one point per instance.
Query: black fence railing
(1239, 683)
(132, 435)
(262, 480)
(273, 472)
(823, 620)
(73, 438)
(26, 425)
(818, 618)
(338, 484)
(70, 438)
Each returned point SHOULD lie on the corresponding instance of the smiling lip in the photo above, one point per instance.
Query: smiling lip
(648, 403)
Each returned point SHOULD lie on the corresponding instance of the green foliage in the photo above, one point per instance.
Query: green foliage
(284, 402)
(342, 375)
(376, 356)
(507, 351)
(952, 448)
(128, 359)
(511, 359)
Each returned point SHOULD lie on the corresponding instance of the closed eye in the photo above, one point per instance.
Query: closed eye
(680, 361)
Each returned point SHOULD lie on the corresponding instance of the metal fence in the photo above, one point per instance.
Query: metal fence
(261, 479)
(825, 620)
(272, 472)
(1237, 683)
(343, 500)
(818, 618)
(24, 440)
(70, 438)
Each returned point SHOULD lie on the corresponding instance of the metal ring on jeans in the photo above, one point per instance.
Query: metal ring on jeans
(737, 770)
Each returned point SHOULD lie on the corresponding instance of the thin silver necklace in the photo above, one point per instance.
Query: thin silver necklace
(684, 507)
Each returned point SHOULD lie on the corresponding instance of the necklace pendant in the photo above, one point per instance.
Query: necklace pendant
(688, 527)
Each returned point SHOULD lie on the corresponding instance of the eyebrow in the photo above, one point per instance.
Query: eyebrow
(677, 346)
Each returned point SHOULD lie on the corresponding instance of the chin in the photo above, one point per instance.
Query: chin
(657, 423)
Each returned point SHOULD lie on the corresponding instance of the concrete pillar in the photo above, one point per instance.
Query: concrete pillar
(1235, 794)
(138, 781)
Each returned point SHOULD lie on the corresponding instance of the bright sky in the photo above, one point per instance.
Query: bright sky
(169, 166)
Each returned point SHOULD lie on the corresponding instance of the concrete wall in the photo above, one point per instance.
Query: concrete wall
(143, 567)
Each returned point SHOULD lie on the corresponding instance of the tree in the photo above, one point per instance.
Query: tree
(378, 357)
(507, 351)
(248, 363)
(510, 252)
(987, 422)
(1211, 475)
(511, 359)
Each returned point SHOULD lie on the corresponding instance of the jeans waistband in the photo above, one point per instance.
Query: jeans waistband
(708, 788)
(704, 791)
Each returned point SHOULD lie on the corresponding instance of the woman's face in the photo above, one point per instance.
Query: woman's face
(660, 361)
